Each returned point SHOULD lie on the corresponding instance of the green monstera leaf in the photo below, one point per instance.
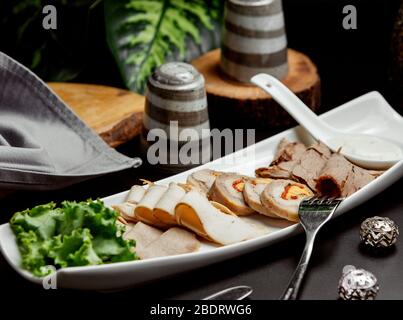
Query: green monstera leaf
(143, 34)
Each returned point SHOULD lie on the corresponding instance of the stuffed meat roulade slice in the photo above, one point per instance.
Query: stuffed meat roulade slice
(282, 197)
(198, 214)
(252, 192)
(228, 190)
(164, 210)
(203, 179)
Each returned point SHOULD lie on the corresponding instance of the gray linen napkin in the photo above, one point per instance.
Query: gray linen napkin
(43, 144)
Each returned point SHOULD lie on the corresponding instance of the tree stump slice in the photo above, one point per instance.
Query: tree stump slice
(115, 114)
(233, 104)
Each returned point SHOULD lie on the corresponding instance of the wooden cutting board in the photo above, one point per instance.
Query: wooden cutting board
(115, 114)
(249, 106)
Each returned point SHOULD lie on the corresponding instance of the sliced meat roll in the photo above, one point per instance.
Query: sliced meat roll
(228, 190)
(164, 210)
(252, 191)
(135, 195)
(282, 197)
(143, 235)
(334, 176)
(126, 210)
(357, 179)
(288, 151)
(172, 242)
(145, 208)
(203, 179)
(287, 157)
(198, 214)
(311, 164)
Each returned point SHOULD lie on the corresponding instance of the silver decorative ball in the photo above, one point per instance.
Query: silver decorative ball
(379, 232)
(357, 284)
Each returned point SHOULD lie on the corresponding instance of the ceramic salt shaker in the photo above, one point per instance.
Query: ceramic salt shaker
(176, 105)
(254, 39)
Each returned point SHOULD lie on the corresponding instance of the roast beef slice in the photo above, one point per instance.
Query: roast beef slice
(334, 176)
(310, 165)
(288, 151)
(357, 179)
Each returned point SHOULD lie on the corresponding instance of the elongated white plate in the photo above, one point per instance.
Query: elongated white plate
(369, 113)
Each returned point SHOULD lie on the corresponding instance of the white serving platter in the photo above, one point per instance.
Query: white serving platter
(369, 113)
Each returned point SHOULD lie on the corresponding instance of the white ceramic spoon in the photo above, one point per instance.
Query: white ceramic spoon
(365, 150)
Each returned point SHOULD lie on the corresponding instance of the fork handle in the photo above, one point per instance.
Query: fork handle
(292, 290)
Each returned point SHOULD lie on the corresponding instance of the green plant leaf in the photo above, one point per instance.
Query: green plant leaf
(143, 34)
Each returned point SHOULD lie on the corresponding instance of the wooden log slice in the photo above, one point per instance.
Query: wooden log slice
(115, 114)
(233, 104)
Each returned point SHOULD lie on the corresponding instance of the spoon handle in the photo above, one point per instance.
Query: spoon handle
(294, 106)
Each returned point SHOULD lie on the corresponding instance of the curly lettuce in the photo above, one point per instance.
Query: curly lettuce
(74, 234)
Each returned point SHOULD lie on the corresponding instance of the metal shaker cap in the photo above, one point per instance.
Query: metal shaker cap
(252, 2)
(177, 76)
(379, 232)
(357, 284)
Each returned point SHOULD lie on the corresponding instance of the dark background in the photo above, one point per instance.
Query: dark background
(351, 63)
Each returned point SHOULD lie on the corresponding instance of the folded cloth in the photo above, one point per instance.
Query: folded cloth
(43, 144)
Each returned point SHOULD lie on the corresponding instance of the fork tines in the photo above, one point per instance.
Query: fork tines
(320, 200)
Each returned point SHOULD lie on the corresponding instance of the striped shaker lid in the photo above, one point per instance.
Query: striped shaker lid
(254, 39)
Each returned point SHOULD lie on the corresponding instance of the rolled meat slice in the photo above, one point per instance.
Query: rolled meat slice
(282, 197)
(174, 241)
(228, 190)
(164, 210)
(198, 214)
(288, 151)
(334, 175)
(252, 191)
(145, 208)
(287, 157)
(135, 195)
(143, 234)
(357, 179)
(311, 164)
(126, 210)
(203, 179)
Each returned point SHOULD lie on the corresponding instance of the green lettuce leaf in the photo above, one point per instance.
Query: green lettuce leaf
(74, 234)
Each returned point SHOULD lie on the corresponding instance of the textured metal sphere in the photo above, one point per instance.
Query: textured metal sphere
(379, 232)
(357, 284)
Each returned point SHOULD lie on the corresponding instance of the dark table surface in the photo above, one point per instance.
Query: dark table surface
(266, 270)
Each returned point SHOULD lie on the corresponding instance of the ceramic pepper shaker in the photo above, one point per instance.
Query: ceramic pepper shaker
(176, 103)
(254, 39)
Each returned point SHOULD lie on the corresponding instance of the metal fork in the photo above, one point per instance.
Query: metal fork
(313, 214)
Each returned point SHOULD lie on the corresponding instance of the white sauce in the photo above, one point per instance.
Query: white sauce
(368, 147)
